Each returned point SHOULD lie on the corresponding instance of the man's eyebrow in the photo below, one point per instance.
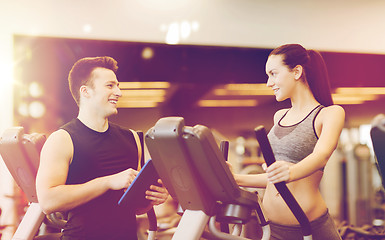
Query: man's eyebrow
(114, 82)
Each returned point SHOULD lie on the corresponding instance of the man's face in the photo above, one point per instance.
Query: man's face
(103, 92)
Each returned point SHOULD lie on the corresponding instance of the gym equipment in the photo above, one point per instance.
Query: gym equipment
(194, 171)
(377, 134)
(296, 209)
(21, 154)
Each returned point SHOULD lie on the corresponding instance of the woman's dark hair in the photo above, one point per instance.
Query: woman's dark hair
(315, 72)
(80, 73)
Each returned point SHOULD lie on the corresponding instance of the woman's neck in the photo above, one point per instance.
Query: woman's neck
(304, 101)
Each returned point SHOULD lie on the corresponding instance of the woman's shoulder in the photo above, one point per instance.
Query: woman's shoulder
(333, 114)
(333, 110)
(279, 114)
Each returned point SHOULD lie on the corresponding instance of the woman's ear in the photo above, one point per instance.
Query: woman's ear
(298, 71)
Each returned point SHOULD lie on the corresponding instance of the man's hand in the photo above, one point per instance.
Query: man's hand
(122, 180)
(157, 194)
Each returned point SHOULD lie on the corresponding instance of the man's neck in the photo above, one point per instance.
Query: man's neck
(96, 123)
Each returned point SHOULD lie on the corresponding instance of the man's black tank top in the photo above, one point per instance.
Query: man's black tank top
(98, 154)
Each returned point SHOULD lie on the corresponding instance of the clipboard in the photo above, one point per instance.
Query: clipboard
(136, 192)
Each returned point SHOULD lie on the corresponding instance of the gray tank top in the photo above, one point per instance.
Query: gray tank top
(295, 142)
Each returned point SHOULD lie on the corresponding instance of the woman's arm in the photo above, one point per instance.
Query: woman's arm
(330, 123)
(251, 180)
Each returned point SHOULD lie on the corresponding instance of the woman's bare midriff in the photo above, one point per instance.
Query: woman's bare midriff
(306, 192)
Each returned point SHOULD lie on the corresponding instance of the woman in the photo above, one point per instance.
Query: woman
(303, 138)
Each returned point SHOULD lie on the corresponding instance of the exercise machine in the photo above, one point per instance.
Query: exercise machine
(20, 153)
(377, 134)
(193, 169)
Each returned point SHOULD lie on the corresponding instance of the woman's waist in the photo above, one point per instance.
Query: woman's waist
(308, 197)
(314, 223)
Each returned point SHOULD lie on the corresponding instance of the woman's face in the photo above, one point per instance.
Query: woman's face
(281, 79)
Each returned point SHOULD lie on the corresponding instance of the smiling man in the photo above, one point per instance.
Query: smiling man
(87, 164)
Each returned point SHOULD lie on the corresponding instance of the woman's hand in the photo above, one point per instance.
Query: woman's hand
(230, 167)
(278, 171)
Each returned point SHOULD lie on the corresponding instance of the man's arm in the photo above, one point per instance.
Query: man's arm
(53, 194)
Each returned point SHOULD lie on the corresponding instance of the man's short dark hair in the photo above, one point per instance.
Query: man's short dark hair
(80, 73)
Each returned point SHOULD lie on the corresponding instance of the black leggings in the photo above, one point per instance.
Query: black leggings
(322, 228)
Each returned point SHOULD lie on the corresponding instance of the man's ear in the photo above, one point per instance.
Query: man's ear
(298, 71)
(84, 91)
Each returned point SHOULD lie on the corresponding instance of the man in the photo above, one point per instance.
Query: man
(87, 164)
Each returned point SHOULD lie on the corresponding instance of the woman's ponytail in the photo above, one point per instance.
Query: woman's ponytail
(318, 79)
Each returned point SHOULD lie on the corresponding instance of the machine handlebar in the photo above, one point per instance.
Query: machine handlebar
(287, 196)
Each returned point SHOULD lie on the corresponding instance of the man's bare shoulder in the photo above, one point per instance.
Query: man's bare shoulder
(59, 136)
(59, 143)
